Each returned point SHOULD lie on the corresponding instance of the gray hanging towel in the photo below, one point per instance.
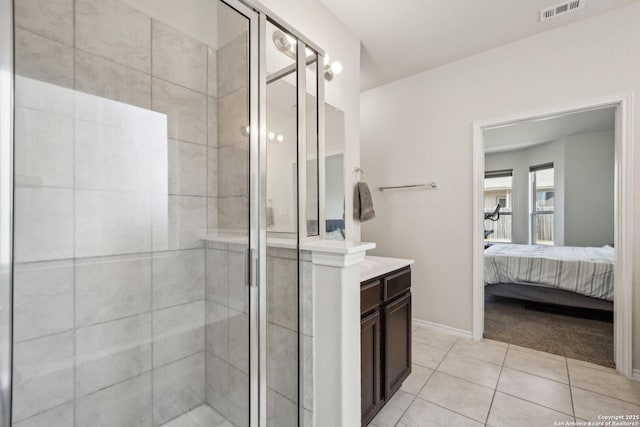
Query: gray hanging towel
(363, 203)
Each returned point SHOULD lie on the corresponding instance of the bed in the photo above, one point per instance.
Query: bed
(563, 275)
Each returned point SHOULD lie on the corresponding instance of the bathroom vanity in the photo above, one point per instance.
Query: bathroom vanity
(385, 330)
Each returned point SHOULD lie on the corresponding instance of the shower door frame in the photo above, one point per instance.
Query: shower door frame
(258, 15)
(6, 208)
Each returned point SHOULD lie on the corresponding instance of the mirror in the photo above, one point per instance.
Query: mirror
(282, 134)
(334, 172)
(282, 166)
(313, 205)
(282, 148)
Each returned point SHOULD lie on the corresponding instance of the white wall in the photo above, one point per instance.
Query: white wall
(584, 172)
(520, 161)
(589, 189)
(316, 22)
(420, 128)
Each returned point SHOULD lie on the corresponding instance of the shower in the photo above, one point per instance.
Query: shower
(140, 143)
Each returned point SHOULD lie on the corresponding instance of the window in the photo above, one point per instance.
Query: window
(542, 190)
(498, 189)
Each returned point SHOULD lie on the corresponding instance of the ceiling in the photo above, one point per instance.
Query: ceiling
(403, 37)
(528, 133)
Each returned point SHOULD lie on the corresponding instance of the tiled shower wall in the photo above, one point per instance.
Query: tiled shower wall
(111, 201)
(227, 346)
(130, 141)
(227, 299)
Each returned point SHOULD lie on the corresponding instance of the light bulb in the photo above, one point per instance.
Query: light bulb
(280, 138)
(336, 67)
(271, 135)
(326, 59)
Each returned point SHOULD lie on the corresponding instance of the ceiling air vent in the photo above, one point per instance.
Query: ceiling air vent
(561, 9)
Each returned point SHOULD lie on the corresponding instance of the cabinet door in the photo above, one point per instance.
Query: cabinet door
(370, 366)
(397, 344)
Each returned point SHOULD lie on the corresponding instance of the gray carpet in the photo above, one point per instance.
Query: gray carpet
(510, 321)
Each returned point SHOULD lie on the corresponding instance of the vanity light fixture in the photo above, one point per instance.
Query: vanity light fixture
(332, 70)
(286, 44)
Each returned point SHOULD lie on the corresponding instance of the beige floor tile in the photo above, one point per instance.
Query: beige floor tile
(461, 396)
(426, 355)
(537, 352)
(434, 338)
(542, 391)
(468, 368)
(418, 378)
(591, 365)
(393, 410)
(537, 364)
(483, 350)
(607, 383)
(509, 411)
(422, 413)
(588, 405)
(494, 342)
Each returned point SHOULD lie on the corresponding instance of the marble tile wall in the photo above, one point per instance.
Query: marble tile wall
(116, 163)
(130, 142)
(227, 330)
(226, 335)
(232, 139)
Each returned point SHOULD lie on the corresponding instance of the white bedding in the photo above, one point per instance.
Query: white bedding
(587, 271)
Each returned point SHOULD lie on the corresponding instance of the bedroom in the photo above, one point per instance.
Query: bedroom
(549, 233)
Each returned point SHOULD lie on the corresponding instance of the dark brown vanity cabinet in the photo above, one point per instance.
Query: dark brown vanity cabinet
(385, 334)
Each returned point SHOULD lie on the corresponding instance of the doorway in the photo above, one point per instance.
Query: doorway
(622, 213)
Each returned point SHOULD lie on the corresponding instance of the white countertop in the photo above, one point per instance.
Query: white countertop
(315, 245)
(374, 266)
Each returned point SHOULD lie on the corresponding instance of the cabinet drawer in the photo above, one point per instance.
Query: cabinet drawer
(370, 296)
(396, 283)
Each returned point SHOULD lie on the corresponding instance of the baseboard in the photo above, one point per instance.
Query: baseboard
(636, 375)
(442, 328)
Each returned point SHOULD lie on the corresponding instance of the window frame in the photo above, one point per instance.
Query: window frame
(534, 212)
(502, 174)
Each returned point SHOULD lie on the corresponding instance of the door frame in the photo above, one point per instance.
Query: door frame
(624, 211)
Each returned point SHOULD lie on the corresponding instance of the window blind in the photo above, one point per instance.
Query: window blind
(541, 167)
(505, 173)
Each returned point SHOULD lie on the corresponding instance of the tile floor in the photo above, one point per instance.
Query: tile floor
(458, 382)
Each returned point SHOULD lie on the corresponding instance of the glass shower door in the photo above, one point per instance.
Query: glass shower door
(133, 129)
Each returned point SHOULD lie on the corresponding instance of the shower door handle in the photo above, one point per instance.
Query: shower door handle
(247, 267)
(251, 269)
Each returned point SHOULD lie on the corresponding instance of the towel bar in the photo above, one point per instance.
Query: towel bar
(431, 185)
